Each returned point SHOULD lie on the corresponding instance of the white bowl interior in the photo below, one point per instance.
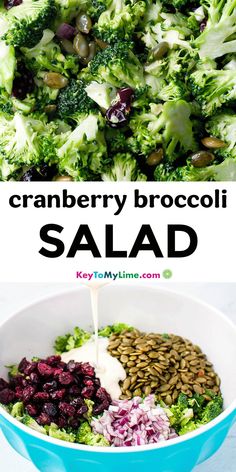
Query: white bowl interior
(32, 331)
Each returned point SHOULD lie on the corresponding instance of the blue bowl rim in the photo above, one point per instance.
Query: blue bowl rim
(132, 449)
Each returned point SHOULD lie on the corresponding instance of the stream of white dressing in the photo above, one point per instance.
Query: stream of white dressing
(107, 368)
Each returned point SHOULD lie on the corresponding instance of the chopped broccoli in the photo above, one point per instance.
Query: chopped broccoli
(18, 411)
(173, 91)
(73, 101)
(26, 140)
(118, 65)
(89, 414)
(54, 432)
(13, 370)
(191, 413)
(71, 341)
(213, 88)
(223, 172)
(117, 328)
(223, 126)
(8, 65)
(119, 20)
(47, 55)
(218, 38)
(212, 410)
(31, 423)
(167, 124)
(84, 154)
(124, 168)
(23, 25)
(86, 436)
(69, 9)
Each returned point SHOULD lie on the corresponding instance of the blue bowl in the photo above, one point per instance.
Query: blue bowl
(149, 309)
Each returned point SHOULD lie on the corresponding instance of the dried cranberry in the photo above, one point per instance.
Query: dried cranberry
(87, 369)
(23, 82)
(57, 372)
(88, 392)
(19, 392)
(97, 382)
(44, 369)
(44, 173)
(28, 393)
(71, 366)
(50, 386)
(116, 116)
(77, 402)
(74, 423)
(23, 364)
(66, 31)
(58, 394)
(41, 396)
(66, 378)
(62, 422)
(34, 378)
(203, 25)
(7, 396)
(43, 419)
(98, 409)
(74, 391)
(88, 382)
(12, 3)
(103, 395)
(82, 410)
(31, 409)
(3, 384)
(31, 367)
(53, 360)
(125, 97)
(50, 409)
(66, 409)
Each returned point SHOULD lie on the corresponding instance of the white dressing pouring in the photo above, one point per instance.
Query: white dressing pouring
(107, 368)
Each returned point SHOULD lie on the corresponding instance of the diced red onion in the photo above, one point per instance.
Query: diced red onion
(134, 422)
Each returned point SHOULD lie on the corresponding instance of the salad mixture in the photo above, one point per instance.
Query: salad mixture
(117, 90)
(169, 389)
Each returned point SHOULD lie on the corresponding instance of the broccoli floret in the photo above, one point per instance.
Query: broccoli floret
(23, 25)
(175, 3)
(223, 126)
(74, 102)
(117, 328)
(84, 154)
(54, 432)
(223, 172)
(168, 125)
(97, 7)
(47, 55)
(18, 411)
(69, 9)
(25, 140)
(175, 66)
(13, 370)
(119, 20)
(174, 90)
(213, 88)
(118, 66)
(218, 38)
(124, 168)
(71, 341)
(189, 427)
(173, 28)
(31, 423)
(116, 140)
(213, 409)
(86, 436)
(8, 65)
